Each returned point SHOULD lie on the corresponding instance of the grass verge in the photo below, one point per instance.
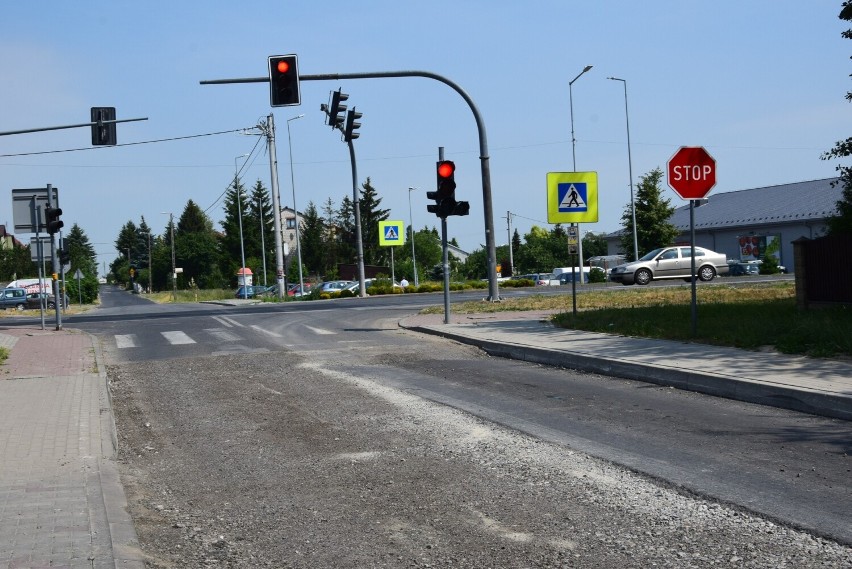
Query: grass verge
(748, 317)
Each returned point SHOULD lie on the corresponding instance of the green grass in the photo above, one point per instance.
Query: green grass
(4, 355)
(748, 317)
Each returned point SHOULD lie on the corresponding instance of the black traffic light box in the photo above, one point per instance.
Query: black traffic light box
(336, 109)
(103, 134)
(284, 81)
(51, 216)
(445, 195)
(352, 123)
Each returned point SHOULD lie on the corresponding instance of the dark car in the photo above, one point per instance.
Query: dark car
(13, 298)
(249, 291)
(34, 300)
(743, 269)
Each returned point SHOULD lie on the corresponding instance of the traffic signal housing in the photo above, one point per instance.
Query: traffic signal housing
(64, 256)
(51, 216)
(103, 134)
(445, 195)
(284, 81)
(336, 109)
(352, 123)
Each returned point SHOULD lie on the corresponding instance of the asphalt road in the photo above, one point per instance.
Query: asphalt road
(789, 466)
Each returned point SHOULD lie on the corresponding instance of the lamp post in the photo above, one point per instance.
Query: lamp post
(413, 258)
(239, 194)
(172, 239)
(295, 209)
(574, 155)
(630, 172)
(262, 238)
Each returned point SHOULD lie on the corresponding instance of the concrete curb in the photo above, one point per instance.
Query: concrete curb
(763, 393)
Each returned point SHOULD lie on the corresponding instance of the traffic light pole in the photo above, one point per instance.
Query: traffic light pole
(54, 264)
(493, 292)
(362, 290)
(269, 130)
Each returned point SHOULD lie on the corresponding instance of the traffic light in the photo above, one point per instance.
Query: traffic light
(445, 196)
(336, 109)
(64, 256)
(51, 215)
(284, 81)
(103, 134)
(351, 117)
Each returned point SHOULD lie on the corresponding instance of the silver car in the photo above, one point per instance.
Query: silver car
(671, 263)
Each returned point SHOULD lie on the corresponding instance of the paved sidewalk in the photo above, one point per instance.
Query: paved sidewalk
(61, 500)
(817, 386)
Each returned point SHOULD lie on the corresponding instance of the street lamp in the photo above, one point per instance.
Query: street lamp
(174, 268)
(630, 172)
(238, 192)
(295, 209)
(413, 259)
(574, 156)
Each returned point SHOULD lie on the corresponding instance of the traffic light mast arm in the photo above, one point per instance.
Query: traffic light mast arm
(81, 125)
(488, 210)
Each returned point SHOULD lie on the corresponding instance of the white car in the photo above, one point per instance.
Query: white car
(671, 263)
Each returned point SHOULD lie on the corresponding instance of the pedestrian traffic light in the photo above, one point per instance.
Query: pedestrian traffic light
(336, 110)
(284, 81)
(445, 195)
(51, 215)
(103, 134)
(351, 124)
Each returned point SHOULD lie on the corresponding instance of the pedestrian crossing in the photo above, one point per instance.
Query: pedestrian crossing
(228, 334)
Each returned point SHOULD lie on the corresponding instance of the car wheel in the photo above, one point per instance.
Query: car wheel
(20, 307)
(642, 277)
(706, 273)
(51, 305)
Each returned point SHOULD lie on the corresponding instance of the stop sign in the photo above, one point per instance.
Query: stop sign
(692, 172)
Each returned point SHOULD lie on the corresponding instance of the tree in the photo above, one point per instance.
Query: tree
(84, 259)
(842, 222)
(652, 216)
(311, 239)
(16, 262)
(594, 245)
(371, 215)
(197, 250)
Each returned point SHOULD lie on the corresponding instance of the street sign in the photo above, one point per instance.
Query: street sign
(572, 197)
(391, 233)
(29, 218)
(691, 172)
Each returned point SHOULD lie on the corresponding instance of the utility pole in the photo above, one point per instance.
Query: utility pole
(269, 130)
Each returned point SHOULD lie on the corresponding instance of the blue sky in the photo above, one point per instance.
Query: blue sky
(759, 83)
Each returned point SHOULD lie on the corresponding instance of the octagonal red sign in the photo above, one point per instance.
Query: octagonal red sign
(691, 172)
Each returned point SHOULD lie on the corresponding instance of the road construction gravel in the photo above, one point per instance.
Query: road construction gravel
(289, 460)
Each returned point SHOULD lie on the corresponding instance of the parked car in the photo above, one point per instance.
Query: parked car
(671, 263)
(249, 291)
(13, 298)
(568, 277)
(541, 279)
(295, 290)
(742, 269)
(334, 286)
(34, 300)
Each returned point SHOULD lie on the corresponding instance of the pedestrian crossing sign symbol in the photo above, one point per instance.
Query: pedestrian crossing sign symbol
(572, 197)
(391, 233)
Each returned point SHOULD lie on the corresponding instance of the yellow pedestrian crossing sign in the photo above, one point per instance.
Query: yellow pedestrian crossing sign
(572, 197)
(391, 233)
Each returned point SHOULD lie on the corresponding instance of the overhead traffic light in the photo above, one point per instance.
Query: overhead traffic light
(103, 134)
(336, 110)
(445, 195)
(51, 216)
(284, 81)
(351, 124)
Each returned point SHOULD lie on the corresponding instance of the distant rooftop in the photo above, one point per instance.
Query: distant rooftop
(802, 201)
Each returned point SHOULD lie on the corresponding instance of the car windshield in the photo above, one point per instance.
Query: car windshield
(650, 256)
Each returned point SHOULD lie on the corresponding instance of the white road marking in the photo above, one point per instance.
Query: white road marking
(321, 331)
(177, 337)
(125, 340)
(222, 335)
(265, 331)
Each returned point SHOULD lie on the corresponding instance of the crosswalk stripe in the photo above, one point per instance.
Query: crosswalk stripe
(177, 337)
(222, 335)
(229, 322)
(125, 340)
(321, 331)
(265, 331)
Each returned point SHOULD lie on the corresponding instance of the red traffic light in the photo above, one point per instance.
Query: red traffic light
(283, 66)
(446, 169)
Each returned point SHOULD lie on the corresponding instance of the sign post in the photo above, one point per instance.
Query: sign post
(692, 174)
